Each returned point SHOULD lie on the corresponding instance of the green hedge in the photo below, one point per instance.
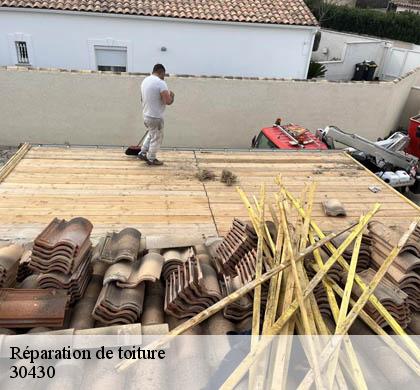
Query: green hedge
(400, 26)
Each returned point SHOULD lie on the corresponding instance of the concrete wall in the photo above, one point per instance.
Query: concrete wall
(67, 40)
(340, 52)
(44, 106)
(412, 107)
(332, 44)
(400, 61)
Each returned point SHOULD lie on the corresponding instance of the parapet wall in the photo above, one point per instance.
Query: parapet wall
(86, 107)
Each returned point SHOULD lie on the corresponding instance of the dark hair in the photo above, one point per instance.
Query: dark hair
(159, 68)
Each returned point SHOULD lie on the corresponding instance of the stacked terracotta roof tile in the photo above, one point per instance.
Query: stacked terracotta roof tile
(334, 273)
(391, 297)
(235, 257)
(363, 261)
(24, 270)
(191, 284)
(405, 270)
(81, 317)
(9, 264)
(294, 12)
(121, 298)
(32, 308)
(238, 242)
(61, 256)
(119, 305)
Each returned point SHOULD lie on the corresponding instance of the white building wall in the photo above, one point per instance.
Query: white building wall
(65, 40)
(340, 52)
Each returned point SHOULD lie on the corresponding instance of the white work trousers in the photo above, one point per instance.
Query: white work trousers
(154, 138)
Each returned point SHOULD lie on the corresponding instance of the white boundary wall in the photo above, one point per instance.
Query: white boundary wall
(53, 106)
(340, 52)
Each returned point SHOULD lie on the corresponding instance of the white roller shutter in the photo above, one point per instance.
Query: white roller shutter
(111, 56)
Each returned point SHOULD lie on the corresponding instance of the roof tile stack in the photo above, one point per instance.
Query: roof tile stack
(32, 308)
(61, 254)
(174, 258)
(236, 258)
(121, 298)
(9, 264)
(240, 240)
(24, 270)
(391, 297)
(191, 288)
(242, 307)
(115, 247)
(363, 261)
(129, 275)
(82, 312)
(404, 272)
(334, 273)
(117, 305)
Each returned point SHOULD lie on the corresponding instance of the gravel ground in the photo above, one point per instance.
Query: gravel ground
(6, 152)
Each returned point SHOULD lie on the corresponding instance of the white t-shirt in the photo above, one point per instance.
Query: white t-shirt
(151, 87)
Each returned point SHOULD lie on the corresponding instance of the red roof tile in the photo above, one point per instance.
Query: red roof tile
(294, 12)
(411, 4)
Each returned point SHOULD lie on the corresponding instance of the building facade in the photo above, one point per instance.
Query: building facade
(248, 41)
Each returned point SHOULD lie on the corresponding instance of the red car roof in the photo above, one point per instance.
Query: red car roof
(282, 141)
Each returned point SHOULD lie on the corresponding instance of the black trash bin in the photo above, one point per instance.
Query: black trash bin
(364, 71)
(371, 69)
(360, 71)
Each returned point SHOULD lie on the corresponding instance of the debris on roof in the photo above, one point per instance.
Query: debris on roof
(228, 177)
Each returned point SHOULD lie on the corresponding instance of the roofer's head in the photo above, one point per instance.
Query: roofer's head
(159, 70)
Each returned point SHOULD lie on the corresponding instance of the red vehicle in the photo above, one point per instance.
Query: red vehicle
(414, 135)
(287, 137)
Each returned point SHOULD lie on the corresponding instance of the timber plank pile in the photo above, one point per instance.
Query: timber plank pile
(291, 305)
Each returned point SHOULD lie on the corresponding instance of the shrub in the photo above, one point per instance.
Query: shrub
(316, 70)
(400, 26)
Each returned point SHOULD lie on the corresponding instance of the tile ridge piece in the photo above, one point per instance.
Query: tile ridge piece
(148, 268)
(71, 234)
(116, 247)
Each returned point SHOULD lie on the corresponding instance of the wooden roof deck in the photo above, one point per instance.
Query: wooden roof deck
(116, 191)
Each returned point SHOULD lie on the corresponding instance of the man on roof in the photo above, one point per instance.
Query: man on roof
(155, 96)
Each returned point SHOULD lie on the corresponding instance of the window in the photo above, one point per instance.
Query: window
(264, 143)
(22, 53)
(111, 58)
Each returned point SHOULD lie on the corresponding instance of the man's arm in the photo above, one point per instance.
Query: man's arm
(167, 97)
